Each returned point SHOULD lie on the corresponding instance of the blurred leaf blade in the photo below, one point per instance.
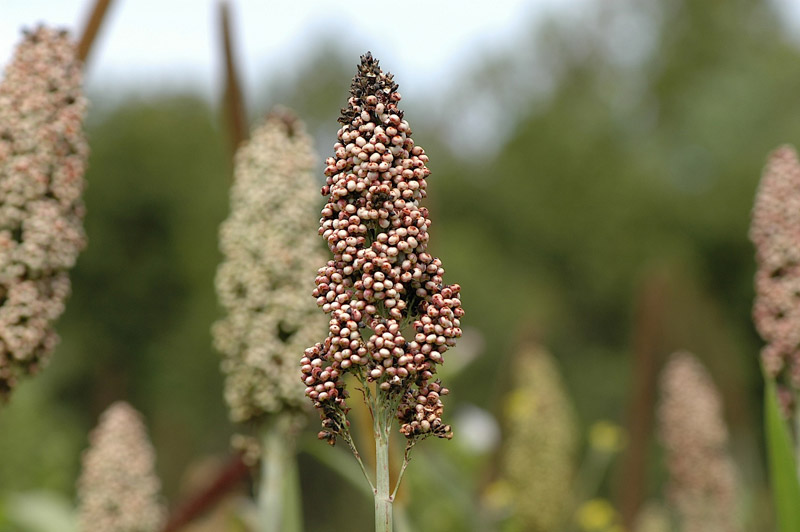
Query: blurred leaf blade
(340, 462)
(782, 463)
(41, 511)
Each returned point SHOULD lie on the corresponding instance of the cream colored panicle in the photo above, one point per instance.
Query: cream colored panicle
(43, 156)
(271, 255)
(118, 490)
(540, 445)
(702, 479)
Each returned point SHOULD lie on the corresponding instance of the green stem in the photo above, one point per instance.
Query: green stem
(277, 457)
(383, 497)
(797, 432)
(293, 508)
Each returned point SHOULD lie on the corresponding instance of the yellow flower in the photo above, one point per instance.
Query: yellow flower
(607, 437)
(596, 514)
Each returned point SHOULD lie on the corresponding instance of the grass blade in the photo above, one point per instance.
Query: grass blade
(782, 465)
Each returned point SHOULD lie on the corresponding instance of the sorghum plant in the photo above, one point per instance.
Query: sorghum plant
(775, 231)
(702, 486)
(263, 281)
(118, 489)
(541, 442)
(271, 255)
(42, 160)
(391, 316)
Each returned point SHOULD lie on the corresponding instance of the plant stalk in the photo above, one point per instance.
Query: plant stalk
(383, 497)
(406, 459)
(92, 28)
(276, 462)
(796, 432)
(233, 100)
(293, 507)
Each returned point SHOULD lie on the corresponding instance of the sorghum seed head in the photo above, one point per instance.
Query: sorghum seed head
(118, 488)
(381, 276)
(775, 231)
(270, 259)
(43, 157)
(541, 441)
(702, 485)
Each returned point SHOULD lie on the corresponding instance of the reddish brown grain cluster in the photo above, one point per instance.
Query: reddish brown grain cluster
(381, 282)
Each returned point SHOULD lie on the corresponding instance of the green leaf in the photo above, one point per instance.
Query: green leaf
(783, 468)
(340, 461)
(41, 511)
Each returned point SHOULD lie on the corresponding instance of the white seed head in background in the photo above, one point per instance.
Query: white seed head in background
(43, 156)
(271, 255)
(118, 490)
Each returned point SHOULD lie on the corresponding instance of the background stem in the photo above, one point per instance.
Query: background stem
(92, 28)
(292, 507)
(796, 431)
(277, 462)
(233, 100)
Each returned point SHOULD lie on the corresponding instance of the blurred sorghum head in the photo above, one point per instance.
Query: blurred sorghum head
(118, 488)
(652, 517)
(270, 258)
(540, 444)
(775, 231)
(381, 278)
(43, 156)
(702, 485)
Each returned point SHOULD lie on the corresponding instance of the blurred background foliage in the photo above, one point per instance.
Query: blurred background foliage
(595, 199)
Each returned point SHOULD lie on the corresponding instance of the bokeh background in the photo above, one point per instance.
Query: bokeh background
(594, 165)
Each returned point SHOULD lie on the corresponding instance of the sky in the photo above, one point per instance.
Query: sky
(149, 45)
(153, 43)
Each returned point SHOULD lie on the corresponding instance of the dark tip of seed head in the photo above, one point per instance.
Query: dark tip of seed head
(31, 35)
(288, 117)
(368, 60)
(369, 80)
